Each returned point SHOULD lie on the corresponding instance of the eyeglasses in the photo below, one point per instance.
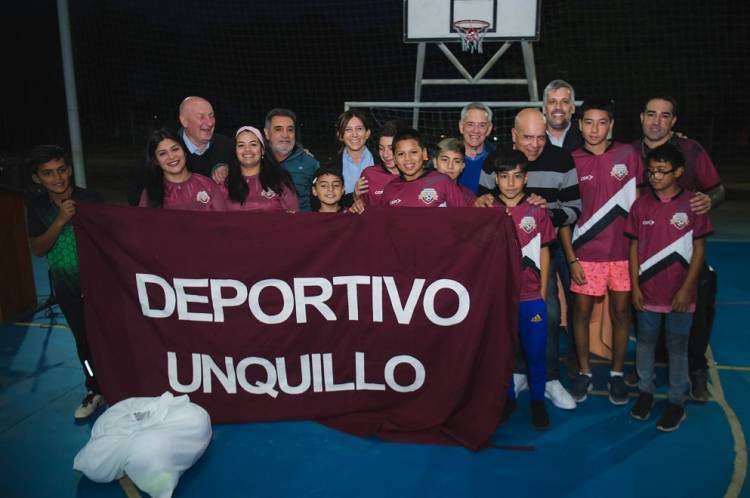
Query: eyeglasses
(660, 172)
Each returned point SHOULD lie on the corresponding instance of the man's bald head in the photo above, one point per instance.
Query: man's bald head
(197, 118)
(529, 133)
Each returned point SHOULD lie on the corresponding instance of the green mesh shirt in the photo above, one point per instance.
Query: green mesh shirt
(63, 257)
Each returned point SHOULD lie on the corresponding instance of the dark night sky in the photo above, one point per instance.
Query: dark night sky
(135, 60)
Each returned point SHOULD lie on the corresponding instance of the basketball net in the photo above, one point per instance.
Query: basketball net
(472, 33)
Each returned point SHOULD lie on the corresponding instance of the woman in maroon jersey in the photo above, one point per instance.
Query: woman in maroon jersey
(372, 181)
(169, 184)
(256, 181)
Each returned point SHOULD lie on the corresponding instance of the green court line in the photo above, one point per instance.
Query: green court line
(40, 325)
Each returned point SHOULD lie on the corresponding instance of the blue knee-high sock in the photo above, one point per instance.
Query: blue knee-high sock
(532, 328)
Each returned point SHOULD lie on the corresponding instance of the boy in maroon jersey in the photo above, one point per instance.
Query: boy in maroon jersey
(416, 186)
(328, 188)
(666, 253)
(535, 232)
(608, 177)
(450, 160)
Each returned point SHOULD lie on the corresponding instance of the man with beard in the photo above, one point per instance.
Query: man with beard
(559, 107)
(281, 133)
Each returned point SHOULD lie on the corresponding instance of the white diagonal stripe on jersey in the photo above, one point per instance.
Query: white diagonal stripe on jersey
(682, 246)
(533, 251)
(625, 197)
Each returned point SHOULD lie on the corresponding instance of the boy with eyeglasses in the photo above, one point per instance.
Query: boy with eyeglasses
(666, 254)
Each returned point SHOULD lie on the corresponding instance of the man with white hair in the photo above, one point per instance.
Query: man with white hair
(205, 150)
(475, 126)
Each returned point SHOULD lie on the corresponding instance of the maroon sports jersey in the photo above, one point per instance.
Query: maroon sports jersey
(469, 196)
(700, 173)
(377, 178)
(608, 184)
(432, 189)
(534, 230)
(665, 231)
(263, 200)
(198, 193)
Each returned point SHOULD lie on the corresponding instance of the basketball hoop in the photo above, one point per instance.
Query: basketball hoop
(472, 33)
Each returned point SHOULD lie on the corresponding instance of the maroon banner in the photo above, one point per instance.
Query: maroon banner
(399, 323)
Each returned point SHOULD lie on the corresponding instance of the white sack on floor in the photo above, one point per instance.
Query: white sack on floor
(152, 440)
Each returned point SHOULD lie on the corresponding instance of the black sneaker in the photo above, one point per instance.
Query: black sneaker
(571, 365)
(508, 409)
(672, 417)
(618, 391)
(580, 387)
(699, 386)
(642, 407)
(539, 417)
(631, 379)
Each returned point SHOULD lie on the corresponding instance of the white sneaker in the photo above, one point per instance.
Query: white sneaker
(88, 406)
(520, 383)
(555, 392)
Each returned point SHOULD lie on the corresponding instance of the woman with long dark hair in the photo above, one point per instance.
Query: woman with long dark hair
(169, 184)
(256, 181)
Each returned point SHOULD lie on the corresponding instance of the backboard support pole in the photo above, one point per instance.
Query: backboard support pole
(418, 80)
(478, 79)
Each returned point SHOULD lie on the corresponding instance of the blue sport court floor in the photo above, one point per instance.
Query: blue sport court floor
(594, 451)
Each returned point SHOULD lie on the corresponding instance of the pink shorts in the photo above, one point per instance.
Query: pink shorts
(600, 276)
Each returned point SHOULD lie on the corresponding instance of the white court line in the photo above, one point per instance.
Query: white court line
(740, 446)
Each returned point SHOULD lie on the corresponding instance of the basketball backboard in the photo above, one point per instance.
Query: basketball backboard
(433, 20)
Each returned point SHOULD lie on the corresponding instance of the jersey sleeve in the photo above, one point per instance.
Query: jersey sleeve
(366, 196)
(469, 196)
(702, 227)
(34, 223)
(454, 196)
(706, 175)
(631, 224)
(546, 229)
(639, 170)
(218, 199)
(289, 200)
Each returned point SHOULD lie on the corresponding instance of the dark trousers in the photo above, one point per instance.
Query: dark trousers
(703, 319)
(72, 308)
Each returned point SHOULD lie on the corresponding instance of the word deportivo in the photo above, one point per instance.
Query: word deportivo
(297, 297)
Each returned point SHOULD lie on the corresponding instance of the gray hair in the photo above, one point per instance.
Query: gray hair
(556, 85)
(478, 106)
(280, 111)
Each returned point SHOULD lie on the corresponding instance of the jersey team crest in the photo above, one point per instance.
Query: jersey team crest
(619, 171)
(528, 224)
(268, 193)
(428, 195)
(679, 220)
